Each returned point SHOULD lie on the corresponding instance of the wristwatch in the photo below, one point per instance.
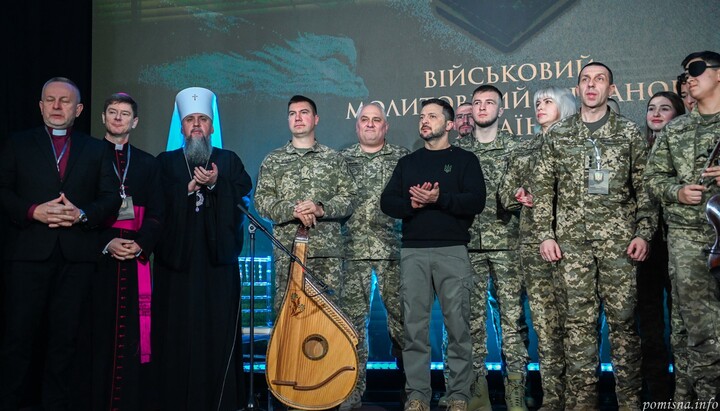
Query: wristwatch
(82, 218)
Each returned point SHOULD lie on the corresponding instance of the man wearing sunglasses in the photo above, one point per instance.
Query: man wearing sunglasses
(680, 174)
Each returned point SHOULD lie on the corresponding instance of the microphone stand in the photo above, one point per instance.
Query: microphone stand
(293, 258)
(255, 224)
(251, 398)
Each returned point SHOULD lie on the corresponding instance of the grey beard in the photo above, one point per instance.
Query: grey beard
(197, 150)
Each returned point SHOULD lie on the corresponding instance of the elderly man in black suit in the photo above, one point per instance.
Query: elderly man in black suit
(56, 188)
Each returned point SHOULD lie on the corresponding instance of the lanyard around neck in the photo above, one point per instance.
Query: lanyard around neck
(122, 181)
(62, 152)
(597, 154)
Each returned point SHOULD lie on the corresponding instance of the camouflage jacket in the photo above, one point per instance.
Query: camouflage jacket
(288, 175)
(521, 167)
(566, 158)
(678, 158)
(370, 234)
(496, 228)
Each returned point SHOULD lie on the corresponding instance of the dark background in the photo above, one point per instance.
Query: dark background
(44, 39)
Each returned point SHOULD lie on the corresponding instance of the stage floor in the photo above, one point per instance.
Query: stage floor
(384, 391)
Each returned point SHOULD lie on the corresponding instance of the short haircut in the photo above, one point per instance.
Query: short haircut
(298, 99)
(562, 97)
(467, 103)
(447, 109)
(379, 107)
(597, 63)
(707, 56)
(121, 98)
(487, 87)
(61, 80)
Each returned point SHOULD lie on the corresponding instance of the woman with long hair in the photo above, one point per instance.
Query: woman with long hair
(653, 279)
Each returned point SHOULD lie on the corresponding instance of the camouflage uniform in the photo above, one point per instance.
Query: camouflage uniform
(678, 158)
(288, 175)
(493, 252)
(593, 232)
(538, 275)
(373, 244)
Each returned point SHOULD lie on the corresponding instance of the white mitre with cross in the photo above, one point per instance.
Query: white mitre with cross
(189, 101)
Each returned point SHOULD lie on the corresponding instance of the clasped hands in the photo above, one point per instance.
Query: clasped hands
(424, 194)
(58, 212)
(307, 211)
(203, 177)
(123, 249)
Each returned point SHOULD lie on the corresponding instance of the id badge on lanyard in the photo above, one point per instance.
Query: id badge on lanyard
(598, 178)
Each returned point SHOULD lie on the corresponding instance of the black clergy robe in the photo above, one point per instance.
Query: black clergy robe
(121, 352)
(196, 312)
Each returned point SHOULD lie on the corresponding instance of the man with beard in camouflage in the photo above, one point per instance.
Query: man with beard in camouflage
(591, 165)
(305, 182)
(493, 252)
(373, 238)
(680, 175)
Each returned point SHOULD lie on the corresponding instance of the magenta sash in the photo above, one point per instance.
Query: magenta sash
(144, 285)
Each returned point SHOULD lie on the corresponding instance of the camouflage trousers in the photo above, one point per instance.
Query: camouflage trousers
(545, 299)
(357, 296)
(329, 270)
(678, 343)
(696, 306)
(503, 268)
(591, 273)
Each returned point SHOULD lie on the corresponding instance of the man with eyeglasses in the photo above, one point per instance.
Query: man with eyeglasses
(464, 123)
(680, 174)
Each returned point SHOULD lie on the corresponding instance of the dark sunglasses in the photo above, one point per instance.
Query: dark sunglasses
(696, 68)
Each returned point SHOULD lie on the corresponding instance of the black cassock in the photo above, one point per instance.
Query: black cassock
(121, 362)
(196, 313)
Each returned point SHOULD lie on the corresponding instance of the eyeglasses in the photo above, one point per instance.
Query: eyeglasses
(682, 78)
(696, 68)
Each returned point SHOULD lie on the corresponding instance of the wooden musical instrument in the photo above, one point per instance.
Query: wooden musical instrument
(712, 212)
(312, 361)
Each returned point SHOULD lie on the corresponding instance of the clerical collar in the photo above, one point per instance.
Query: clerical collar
(57, 132)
